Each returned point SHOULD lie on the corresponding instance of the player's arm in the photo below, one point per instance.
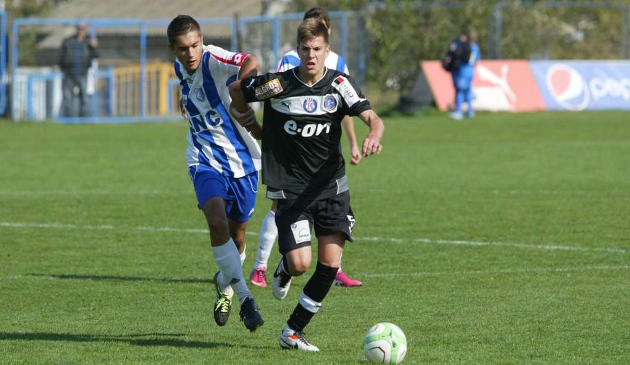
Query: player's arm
(372, 143)
(241, 111)
(348, 126)
(250, 67)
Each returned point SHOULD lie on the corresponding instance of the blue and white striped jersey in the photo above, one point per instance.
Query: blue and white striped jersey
(214, 139)
(333, 61)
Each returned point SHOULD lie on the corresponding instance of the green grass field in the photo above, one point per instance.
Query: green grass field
(502, 240)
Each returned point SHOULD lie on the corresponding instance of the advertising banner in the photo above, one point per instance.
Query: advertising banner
(498, 85)
(583, 85)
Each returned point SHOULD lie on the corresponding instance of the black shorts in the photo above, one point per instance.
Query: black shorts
(296, 218)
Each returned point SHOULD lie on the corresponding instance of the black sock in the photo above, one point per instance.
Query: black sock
(312, 296)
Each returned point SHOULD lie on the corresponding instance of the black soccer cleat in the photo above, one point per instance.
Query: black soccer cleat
(250, 315)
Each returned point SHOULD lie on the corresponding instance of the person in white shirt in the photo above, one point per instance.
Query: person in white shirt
(223, 158)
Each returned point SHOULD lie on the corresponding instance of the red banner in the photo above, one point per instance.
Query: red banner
(501, 85)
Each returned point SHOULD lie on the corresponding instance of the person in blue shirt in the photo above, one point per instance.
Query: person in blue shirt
(467, 49)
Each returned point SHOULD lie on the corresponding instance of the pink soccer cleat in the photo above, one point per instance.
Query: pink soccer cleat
(341, 279)
(258, 278)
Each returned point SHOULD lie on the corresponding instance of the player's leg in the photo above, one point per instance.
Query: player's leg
(294, 240)
(468, 98)
(267, 236)
(333, 222)
(311, 298)
(342, 279)
(459, 99)
(225, 254)
(240, 208)
(67, 88)
(84, 103)
(211, 191)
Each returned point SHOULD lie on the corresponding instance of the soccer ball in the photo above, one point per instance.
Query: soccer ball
(385, 343)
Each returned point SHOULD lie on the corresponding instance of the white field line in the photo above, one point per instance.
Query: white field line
(507, 271)
(74, 192)
(54, 226)
(392, 240)
(70, 192)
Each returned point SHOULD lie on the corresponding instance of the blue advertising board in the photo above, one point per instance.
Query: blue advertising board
(583, 85)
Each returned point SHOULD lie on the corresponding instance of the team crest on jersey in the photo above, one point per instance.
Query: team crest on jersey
(310, 105)
(268, 89)
(330, 103)
(199, 94)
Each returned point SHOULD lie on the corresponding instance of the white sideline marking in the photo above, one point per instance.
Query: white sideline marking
(503, 244)
(507, 271)
(393, 240)
(73, 192)
(90, 192)
(53, 225)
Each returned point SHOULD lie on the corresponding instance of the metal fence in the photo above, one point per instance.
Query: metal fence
(133, 78)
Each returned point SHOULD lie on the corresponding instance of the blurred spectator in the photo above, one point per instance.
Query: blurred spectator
(462, 56)
(77, 53)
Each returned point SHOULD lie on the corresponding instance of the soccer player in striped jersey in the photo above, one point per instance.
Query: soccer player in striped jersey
(223, 158)
(304, 169)
(268, 229)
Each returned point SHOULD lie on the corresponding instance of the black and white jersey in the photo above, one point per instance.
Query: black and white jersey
(301, 154)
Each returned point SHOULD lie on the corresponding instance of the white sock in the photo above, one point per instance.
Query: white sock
(287, 331)
(268, 234)
(244, 255)
(228, 260)
(340, 263)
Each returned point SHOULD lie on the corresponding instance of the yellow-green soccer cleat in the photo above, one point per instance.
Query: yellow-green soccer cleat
(222, 305)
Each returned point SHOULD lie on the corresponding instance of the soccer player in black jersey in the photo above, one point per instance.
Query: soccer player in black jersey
(303, 166)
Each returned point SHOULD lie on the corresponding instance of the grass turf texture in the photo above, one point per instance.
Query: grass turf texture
(501, 240)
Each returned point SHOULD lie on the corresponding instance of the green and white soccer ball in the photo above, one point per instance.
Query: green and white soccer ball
(385, 343)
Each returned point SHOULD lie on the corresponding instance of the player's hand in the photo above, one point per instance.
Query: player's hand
(182, 109)
(247, 120)
(355, 154)
(371, 147)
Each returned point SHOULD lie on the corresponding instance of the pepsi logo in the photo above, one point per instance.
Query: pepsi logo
(567, 87)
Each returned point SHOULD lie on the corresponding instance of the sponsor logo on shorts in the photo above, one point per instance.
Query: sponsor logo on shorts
(268, 89)
(301, 231)
(351, 220)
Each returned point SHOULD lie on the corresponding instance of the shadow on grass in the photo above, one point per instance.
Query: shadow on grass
(122, 278)
(137, 339)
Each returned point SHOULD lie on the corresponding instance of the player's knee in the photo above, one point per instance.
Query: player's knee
(217, 225)
(298, 266)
